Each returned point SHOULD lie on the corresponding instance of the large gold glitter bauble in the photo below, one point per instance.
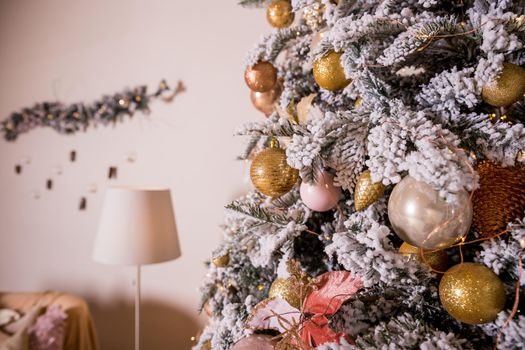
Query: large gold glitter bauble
(264, 101)
(472, 293)
(499, 199)
(221, 261)
(329, 73)
(437, 260)
(261, 77)
(271, 174)
(508, 88)
(284, 288)
(280, 13)
(367, 192)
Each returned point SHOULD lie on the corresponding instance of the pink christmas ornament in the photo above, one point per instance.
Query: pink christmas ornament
(321, 195)
(255, 342)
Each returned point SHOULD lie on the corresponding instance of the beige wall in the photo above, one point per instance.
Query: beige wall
(76, 51)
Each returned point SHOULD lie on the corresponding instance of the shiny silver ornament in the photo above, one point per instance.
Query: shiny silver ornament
(423, 219)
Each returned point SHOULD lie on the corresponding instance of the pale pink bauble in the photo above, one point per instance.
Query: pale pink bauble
(321, 195)
(255, 342)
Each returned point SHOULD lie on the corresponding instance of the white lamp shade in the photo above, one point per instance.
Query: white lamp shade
(137, 227)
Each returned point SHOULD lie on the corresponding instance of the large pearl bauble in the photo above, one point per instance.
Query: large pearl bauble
(472, 293)
(255, 342)
(321, 195)
(421, 218)
(508, 88)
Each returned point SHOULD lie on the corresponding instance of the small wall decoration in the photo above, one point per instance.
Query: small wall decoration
(112, 172)
(71, 118)
(18, 169)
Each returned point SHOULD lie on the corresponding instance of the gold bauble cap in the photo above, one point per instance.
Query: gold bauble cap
(507, 89)
(472, 293)
(329, 73)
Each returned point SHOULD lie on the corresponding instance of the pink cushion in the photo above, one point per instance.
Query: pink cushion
(48, 332)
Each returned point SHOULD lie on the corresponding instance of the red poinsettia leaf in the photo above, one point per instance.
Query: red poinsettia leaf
(316, 331)
(334, 288)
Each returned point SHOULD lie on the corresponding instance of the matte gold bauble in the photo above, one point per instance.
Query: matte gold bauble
(270, 172)
(437, 260)
(508, 88)
(329, 73)
(280, 13)
(264, 101)
(206, 345)
(261, 77)
(221, 261)
(499, 199)
(367, 192)
(284, 288)
(472, 293)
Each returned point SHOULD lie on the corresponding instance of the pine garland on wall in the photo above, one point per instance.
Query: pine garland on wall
(71, 118)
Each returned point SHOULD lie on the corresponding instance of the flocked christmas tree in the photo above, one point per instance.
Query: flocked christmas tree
(390, 188)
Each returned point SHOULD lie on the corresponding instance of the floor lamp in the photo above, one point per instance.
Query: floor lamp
(137, 227)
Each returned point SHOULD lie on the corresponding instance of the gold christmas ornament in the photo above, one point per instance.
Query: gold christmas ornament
(206, 345)
(437, 260)
(472, 293)
(329, 73)
(499, 199)
(508, 88)
(280, 13)
(367, 192)
(270, 172)
(261, 77)
(221, 261)
(286, 289)
(264, 101)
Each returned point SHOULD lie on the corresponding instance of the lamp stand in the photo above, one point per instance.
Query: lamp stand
(137, 310)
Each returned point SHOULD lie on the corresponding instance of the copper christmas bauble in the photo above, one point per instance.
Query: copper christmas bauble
(261, 77)
(221, 261)
(271, 174)
(286, 289)
(437, 260)
(329, 73)
(508, 88)
(280, 13)
(472, 293)
(499, 199)
(367, 192)
(265, 101)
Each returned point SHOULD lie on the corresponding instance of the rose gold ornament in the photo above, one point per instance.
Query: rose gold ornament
(261, 77)
(264, 101)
